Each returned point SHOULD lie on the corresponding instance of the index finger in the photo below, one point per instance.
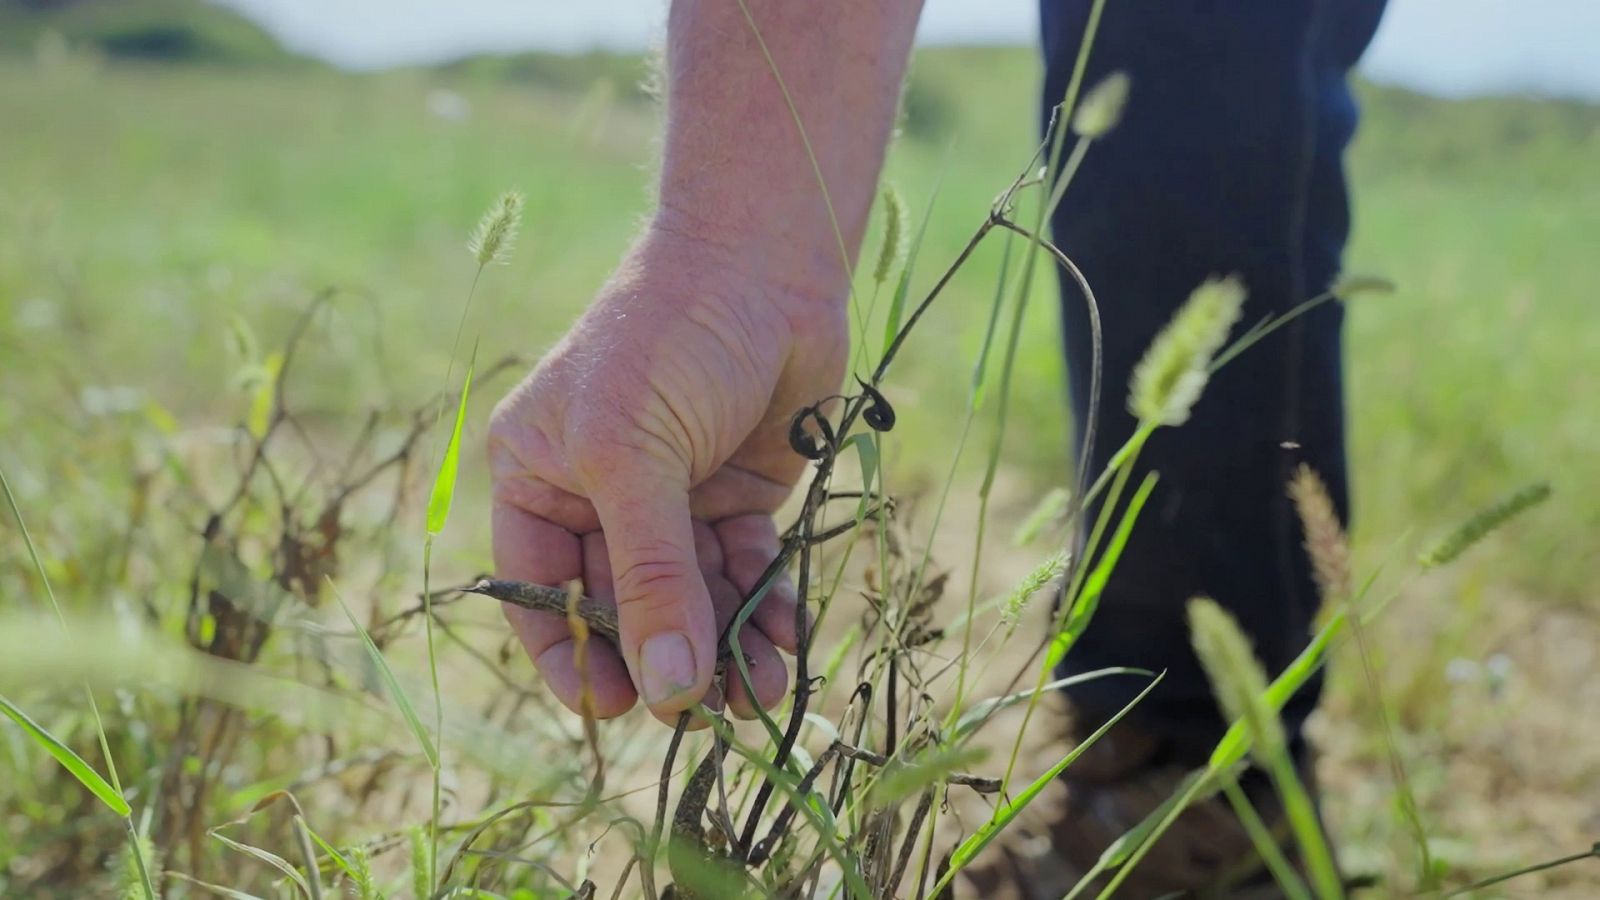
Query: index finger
(528, 547)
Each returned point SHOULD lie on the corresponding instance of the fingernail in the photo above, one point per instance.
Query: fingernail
(667, 666)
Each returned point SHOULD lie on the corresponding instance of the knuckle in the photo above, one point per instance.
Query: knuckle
(652, 585)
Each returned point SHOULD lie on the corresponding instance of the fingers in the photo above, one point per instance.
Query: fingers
(768, 674)
(530, 548)
(769, 677)
(683, 582)
(667, 624)
(749, 545)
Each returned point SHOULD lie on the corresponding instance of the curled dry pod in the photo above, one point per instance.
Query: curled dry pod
(878, 414)
(803, 441)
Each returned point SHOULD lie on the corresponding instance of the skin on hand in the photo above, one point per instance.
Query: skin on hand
(645, 456)
(647, 452)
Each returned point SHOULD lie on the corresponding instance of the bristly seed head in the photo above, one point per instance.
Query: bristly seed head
(1236, 675)
(1046, 572)
(496, 232)
(1350, 285)
(1173, 372)
(894, 235)
(1479, 526)
(1102, 106)
(1325, 540)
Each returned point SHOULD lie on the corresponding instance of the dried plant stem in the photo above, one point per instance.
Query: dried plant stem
(1591, 853)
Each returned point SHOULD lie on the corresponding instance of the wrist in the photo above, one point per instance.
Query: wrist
(803, 269)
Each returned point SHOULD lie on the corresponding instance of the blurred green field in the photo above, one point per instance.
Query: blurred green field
(145, 208)
(147, 211)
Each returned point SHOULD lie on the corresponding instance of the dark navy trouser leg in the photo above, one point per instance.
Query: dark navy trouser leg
(1228, 159)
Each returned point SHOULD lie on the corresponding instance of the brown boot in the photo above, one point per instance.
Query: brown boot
(1109, 790)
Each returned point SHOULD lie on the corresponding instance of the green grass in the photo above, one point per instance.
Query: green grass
(161, 204)
(148, 213)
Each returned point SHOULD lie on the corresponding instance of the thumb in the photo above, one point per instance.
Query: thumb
(667, 623)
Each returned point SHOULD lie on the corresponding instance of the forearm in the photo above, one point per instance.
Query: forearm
(735, 170)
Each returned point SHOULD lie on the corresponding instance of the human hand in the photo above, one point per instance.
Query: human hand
(645, 455)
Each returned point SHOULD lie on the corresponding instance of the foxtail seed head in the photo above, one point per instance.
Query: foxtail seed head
(1035, 581)
(1236, 675)
(1485, 521)
(893, 249)
(1325, 541)
(496, 232)
(1350, 285)
(1173, 372)
(1102, 106)
(136, 859)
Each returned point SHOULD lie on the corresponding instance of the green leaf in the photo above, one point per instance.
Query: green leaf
(1196, 785)
(217, 889)
(867, 452)
(981, 711)
(338, 858)
(390, 682)
(308, 853)
(1240, 684)
(444, 485)
(1088, 599)
(902, 778)
(266, 856)
(265, 396)
(813, 807)
(1236, 742)
(1229, 752)
(69, 760)
(969, 848)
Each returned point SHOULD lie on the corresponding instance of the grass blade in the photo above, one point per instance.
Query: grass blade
(264, 398)
(969, 848)
(266, 856)
(308, 852)
(444, 484)
(390, 682)
(1294, 887)
(1236, 741)
(69, 760)
(345, 865)
(1131, 847)
(980, 712)
(217, 889)
(1088, 599)
(1240, 685)
(867, 452)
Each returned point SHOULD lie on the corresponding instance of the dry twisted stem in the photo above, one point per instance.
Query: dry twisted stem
(601, 618)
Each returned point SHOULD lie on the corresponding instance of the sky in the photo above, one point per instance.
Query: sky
(1448, 47)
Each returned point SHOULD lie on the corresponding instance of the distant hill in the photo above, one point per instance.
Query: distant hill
(157, 30)
(628, 73)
